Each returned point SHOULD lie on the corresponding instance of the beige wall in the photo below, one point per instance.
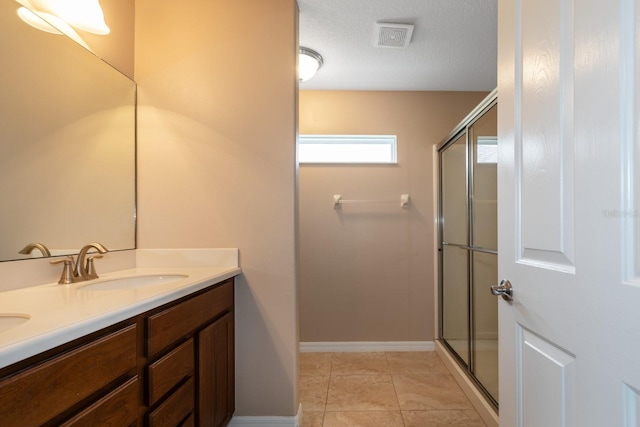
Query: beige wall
(117, 47)
(216, 146)
(366, 270)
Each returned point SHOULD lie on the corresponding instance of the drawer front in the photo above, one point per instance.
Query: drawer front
(175, 409)
(189, 422)
(39, 393)
(168, 371)
(118, 408)
(168, 326)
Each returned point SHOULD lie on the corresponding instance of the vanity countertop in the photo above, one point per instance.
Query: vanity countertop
(61, 313)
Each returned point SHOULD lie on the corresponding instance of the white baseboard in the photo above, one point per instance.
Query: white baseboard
(366, 346)
(268, 421)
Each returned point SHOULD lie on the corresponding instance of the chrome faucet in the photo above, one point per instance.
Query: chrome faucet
(35, 245)
(85, 270)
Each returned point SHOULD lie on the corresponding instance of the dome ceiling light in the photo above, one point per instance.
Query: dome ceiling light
(309, 62)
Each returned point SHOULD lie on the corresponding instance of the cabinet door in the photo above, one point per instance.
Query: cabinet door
(216, 380)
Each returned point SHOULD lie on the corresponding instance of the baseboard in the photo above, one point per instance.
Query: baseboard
(268, 421)
(365, 346)
(477, 399)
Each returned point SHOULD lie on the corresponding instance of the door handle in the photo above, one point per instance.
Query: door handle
(504, 289)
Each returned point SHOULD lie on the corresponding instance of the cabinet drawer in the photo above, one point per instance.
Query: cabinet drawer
(118, 408)
(175, 409)
(34, 396)
(189, 422)
(168, 326)
(168, 371)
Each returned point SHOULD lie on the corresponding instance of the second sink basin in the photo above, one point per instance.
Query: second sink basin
(133, 282)
(11, 320)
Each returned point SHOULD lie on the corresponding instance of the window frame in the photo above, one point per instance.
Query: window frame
(387, 140)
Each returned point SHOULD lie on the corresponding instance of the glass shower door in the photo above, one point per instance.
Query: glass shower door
(484, 244)
(469, 255)
(455, 270)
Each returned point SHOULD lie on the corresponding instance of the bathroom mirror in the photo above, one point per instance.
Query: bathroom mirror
(67, 144)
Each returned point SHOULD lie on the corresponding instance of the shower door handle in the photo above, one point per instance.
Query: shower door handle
(504, 289)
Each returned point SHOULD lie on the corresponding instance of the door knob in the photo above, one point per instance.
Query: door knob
(504, 289)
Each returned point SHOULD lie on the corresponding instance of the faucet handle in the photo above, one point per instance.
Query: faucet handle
(67, 271)
(91, 269)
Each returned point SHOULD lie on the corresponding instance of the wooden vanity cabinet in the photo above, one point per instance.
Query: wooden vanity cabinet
(216, 372)
(199, 328)
(85, 375)
(172, 366)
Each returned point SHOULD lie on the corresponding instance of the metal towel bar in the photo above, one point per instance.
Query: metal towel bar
(337, 201)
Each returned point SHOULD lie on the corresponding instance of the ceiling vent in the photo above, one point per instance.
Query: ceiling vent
(389, 35)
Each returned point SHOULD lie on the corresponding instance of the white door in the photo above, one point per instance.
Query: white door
(569, 212)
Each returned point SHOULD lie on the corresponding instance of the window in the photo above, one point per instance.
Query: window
(347, 149)
(487, 149)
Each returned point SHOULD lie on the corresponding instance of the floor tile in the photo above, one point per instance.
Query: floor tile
(359, 364)
(442, 418)
(315, 363)
(363, 419)
(361, 393)
(424, 362)
(312, 419)
(424, 392)
(313, 392)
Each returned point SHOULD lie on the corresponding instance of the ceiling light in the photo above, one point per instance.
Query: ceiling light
(85, 15)
(51, 24)
(40, 20)
(309, 63)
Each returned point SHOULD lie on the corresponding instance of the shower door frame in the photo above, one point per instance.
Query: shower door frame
(462, 129)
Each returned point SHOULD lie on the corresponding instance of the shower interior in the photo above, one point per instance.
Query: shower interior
(467, 246)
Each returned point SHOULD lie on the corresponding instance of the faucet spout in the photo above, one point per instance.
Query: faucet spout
(35, 245)
(81, 270)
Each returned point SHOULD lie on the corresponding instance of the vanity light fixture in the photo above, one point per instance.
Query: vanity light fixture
(309, 62)
(62, 16)
(85, 15)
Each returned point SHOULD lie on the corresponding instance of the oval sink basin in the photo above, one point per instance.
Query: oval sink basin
(11, 320)
(135, 282)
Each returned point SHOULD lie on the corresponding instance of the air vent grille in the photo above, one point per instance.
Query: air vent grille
(390, 35)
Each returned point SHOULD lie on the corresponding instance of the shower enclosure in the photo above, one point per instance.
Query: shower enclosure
(467, 247)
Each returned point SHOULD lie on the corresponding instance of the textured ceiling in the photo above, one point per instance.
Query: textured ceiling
(453, 45)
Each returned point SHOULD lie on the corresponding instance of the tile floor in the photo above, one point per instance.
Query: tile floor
(386, 389)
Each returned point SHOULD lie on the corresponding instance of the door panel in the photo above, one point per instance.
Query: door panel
(546, 145)
(485, 180)
(548, 383)
(454, 192)
(568, 229)
(455, 296)
(485, 322)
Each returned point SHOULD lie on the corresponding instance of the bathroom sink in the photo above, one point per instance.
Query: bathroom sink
(11, 320)
(133, 282)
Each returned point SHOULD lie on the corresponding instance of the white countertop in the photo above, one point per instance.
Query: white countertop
(61, 313)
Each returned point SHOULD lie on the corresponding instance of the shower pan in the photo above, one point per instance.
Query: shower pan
(467, 246)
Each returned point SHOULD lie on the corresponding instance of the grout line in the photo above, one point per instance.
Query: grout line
(326, 400)
(394, 388)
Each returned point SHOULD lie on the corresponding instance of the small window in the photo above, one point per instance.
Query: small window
(347, 149)
(487, 149)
